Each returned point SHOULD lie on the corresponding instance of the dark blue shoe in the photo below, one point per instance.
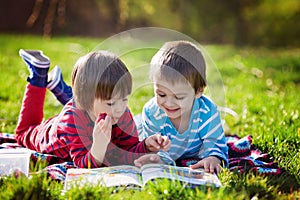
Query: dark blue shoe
(58, 87)
(38, 66)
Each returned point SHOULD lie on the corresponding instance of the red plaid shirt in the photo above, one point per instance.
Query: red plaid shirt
(69, 136)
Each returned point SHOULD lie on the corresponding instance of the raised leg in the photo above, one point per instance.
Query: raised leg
(58, 87)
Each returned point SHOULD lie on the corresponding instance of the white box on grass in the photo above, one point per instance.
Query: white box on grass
(14, 161)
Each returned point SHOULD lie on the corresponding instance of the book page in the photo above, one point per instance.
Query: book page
(184, 174)
(123, 175)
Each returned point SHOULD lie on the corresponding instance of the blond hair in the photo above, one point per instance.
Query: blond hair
(99, 74)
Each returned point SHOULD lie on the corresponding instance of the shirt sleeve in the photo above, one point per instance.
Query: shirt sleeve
(75, 130)
(213, 137)
(166, 158)
(151, 119)
(149, 125)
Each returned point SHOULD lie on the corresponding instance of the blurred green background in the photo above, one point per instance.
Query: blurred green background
(238, 22)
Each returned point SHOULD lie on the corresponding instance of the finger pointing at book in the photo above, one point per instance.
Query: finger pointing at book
(157, 142)
(210, 164)
(147, 159)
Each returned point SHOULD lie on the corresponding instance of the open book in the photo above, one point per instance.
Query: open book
(127, 175)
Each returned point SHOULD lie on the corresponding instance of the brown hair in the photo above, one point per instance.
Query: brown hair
(180, 60)
(99, 74)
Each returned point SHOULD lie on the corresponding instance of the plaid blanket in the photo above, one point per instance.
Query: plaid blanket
(243, 157)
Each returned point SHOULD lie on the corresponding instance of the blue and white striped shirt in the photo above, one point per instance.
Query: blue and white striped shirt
(204, 136)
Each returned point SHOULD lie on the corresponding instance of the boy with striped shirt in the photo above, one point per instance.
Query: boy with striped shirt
(181, 112)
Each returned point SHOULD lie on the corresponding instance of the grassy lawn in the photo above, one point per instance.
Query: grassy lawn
(261, 85)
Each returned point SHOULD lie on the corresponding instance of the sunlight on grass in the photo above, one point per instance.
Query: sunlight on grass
(261, 85)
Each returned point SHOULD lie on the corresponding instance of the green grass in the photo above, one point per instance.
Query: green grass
(261, 85)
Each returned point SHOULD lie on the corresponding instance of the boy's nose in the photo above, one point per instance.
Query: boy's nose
(169, 101)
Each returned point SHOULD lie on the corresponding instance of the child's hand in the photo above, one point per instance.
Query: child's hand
(157, 142)
(101, 137)
(210, 164)
(102, 129)
(147, 159)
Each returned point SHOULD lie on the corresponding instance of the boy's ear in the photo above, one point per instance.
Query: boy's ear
(199, 92)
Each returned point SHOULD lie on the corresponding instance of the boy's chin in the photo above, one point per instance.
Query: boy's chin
(172, 115)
